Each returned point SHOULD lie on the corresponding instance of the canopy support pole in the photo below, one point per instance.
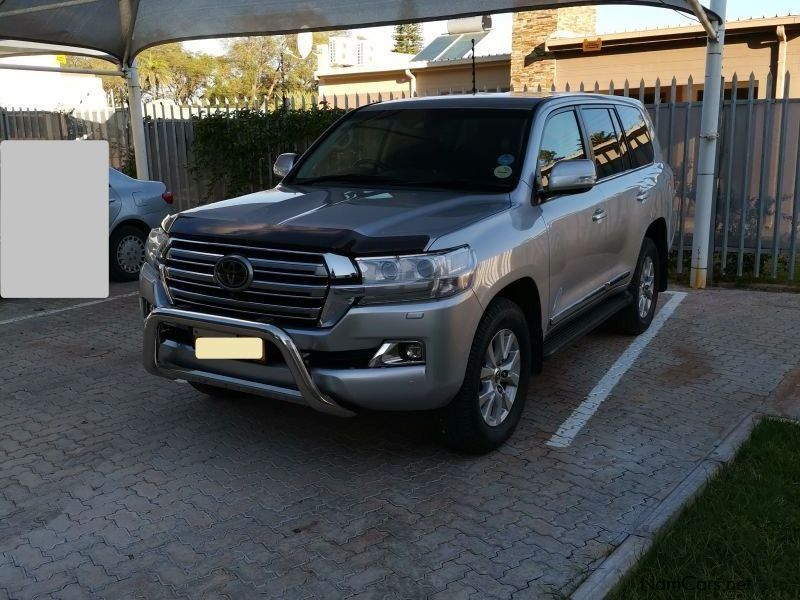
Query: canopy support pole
(707, 152)
(137, 121)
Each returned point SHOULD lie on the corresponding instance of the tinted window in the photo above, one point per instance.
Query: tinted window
(639, 142)
(604, 138)
(461, 148)
(561, 140)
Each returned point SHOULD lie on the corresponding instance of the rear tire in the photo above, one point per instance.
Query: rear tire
(636, 318)
(487, 408)
(126, 253)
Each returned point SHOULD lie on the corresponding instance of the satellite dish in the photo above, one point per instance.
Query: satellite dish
(305, 42)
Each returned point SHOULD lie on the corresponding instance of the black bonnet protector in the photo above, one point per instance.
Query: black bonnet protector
(307, 239)
(348, 222)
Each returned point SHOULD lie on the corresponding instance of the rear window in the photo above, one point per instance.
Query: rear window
(640, 144)
(605, 141)
(463, 148)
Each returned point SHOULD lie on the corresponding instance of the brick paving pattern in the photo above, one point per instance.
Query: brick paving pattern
(117, 484)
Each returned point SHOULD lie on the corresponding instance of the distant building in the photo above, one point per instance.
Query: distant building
(759, 46)
(442, 67)
(560, 48)
(48, 90)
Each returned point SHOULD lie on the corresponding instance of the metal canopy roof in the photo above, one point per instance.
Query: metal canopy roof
(123, 28)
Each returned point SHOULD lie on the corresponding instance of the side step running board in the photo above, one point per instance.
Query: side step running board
(584, 324)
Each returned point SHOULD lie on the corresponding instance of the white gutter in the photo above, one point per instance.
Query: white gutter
(412, 83)
(780, 76)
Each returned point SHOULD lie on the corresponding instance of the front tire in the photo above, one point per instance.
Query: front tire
(126, 253)
(488, 407)
(636, 318)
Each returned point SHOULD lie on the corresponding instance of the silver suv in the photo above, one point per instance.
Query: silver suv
(422, 254)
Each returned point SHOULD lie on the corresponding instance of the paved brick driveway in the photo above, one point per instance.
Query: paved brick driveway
(117, 484)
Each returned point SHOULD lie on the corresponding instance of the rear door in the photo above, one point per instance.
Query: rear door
(619, 187)
(575, 223)
(645, 175)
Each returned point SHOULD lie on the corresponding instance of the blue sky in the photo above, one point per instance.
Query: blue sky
(620, 18)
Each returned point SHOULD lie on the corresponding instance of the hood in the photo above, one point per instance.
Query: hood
(346, 221)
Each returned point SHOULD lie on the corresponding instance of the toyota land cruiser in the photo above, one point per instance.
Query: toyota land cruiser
(422, 254)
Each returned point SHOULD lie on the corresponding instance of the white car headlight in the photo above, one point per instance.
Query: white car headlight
(389, 279)
(155, 247)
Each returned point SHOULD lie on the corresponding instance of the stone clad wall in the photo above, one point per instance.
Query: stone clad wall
(530, 64)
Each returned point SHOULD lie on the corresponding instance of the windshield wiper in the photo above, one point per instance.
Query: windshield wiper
(457, 185)
(344, 178)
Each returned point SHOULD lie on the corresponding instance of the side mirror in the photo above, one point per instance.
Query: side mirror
(571, 177)
(284, 163)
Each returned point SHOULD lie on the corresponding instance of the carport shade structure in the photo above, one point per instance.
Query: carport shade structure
(123, 28)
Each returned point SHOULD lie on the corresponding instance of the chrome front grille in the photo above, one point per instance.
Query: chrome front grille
(287, 285)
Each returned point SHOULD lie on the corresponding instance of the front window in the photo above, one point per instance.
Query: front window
(450, 148)
(561, 140)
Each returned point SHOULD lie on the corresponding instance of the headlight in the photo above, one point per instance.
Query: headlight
(155, 247)
(418, 277)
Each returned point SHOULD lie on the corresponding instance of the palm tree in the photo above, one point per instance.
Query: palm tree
(154, 72)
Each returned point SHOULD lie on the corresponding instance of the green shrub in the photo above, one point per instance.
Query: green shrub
(236, 150)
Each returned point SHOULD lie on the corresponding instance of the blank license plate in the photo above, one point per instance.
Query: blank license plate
(231, 348)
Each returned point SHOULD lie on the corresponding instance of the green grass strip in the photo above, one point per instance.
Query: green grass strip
(741, 537)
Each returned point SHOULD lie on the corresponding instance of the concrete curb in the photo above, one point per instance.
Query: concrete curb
(606, 576)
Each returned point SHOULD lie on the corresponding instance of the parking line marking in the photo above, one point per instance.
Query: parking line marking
(55, 311)
(581, 415)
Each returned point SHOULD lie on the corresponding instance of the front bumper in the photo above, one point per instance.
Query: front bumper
(446, 327)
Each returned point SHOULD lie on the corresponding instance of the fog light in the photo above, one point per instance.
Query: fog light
(399, 354)
(414, 351)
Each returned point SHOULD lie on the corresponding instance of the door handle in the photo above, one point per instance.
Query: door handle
(599, 215)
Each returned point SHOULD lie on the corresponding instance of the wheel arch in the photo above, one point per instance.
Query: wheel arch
(525, 293)
(138, 224)
(657, 231)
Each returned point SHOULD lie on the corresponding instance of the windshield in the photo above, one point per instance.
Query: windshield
(451, 148)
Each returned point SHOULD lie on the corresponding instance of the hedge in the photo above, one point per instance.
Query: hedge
(236, 150)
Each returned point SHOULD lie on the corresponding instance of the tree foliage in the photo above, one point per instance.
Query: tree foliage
(261, 67)
(166, 71)
(252, 67)
(407, 38)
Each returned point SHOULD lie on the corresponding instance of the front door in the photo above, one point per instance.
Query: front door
(577, 225)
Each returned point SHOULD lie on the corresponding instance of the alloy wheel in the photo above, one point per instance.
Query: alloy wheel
(646, 286)
(499, 377)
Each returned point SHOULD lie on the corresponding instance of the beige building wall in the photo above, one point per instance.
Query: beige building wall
(431, 81)
(395, 82)
(531, 64)
(756, 52)
(665, 64)
(458, 79)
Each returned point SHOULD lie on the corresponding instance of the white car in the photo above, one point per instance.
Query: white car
(135, 207)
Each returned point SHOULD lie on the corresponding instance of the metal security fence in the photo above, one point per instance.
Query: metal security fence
(110, 123)
(758, 170)
(758, 161)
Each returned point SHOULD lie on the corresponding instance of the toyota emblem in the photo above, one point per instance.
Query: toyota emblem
(234, 273)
